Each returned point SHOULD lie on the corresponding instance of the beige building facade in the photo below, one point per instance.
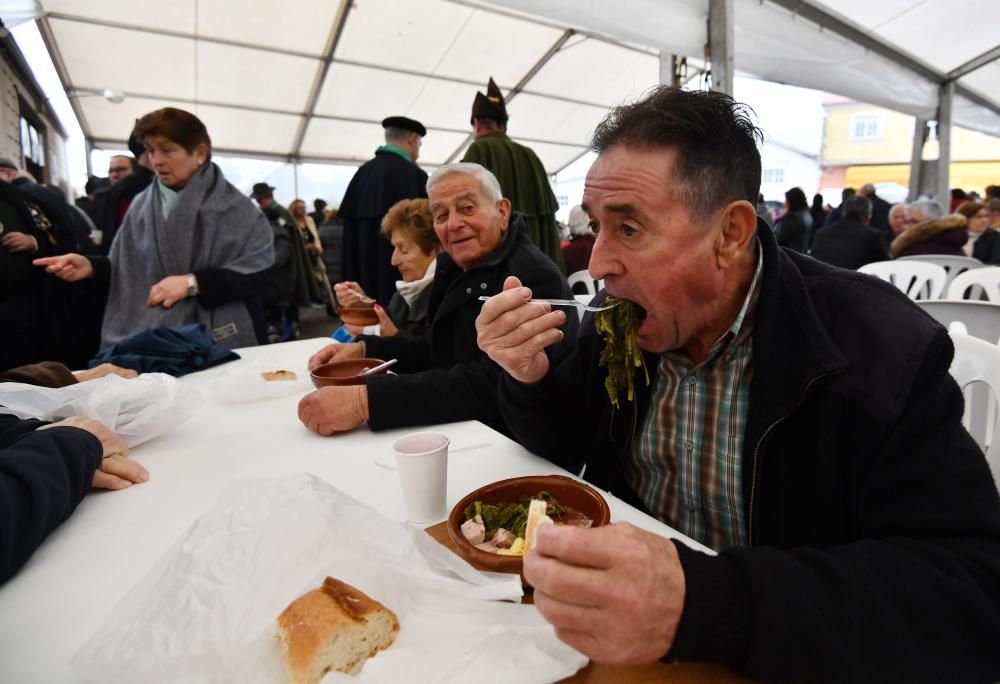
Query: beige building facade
(863, 143)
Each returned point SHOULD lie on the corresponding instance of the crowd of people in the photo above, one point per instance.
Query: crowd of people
(775, 417)
(864, 228)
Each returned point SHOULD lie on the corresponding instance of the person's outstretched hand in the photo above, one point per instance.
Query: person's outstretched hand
(117, 470)
(69, 267)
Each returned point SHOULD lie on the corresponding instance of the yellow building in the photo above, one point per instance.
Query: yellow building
(863, 143)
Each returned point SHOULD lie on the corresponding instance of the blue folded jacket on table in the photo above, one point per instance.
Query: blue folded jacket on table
(176, 351)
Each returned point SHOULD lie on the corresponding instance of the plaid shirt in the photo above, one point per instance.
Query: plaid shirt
(686, 464)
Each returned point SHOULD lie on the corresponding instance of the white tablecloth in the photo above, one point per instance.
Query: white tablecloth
(84, 568)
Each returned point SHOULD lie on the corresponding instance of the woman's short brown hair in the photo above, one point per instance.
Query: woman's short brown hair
(970, 209)
(412, 217)
(176, 125)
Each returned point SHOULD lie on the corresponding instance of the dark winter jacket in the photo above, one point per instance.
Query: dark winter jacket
(794, 230)
(873, 520)
(848, 244)
(43, 476)
(444, 376)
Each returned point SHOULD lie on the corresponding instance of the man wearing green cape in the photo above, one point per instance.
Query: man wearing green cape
(521, 174)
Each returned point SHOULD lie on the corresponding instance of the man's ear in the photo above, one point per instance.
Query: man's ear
(738, 225)
(503, 206)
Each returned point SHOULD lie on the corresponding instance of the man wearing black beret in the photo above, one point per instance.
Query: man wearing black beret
(391, 176)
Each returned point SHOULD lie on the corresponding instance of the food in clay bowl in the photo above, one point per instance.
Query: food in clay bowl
(340, 373)
(476, 523)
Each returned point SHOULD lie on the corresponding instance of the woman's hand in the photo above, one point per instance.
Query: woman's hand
(168, 291)
(387, 327)
(19, 242)
(69, 267)
(349, 293)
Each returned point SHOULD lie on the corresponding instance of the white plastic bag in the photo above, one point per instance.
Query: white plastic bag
(206, 611)
(137, 409)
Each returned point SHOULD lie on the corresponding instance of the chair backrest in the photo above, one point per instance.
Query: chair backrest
(953, 265)
(976, 283)
(980, 319)
(582, 277)
(977, 362)
(917, 279)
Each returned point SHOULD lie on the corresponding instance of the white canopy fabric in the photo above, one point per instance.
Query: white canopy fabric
(310, 80)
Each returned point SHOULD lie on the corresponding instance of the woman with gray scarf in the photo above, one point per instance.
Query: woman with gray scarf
(192, 248)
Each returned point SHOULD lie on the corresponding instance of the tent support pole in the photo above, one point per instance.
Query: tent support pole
(721, 41)
(916, 157)
(945, 97)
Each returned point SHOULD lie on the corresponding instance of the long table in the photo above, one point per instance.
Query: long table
(74, 580)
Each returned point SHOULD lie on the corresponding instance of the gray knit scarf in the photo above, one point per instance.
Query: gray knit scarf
(212, 226)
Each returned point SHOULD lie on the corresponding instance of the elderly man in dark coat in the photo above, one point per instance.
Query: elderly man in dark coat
(521, 174)
(391, 176)
(850, 243)
(443, 376)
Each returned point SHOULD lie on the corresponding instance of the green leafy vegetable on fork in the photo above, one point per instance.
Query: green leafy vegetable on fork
(618, 327)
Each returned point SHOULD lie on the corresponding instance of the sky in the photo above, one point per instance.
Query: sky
(788, 115)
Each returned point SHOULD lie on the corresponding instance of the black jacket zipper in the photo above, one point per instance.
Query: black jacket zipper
(751, 523)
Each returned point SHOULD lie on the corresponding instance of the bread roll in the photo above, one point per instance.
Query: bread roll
(335, 627)
(536, 516)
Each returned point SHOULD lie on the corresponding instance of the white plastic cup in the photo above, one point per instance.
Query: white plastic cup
(422, 464)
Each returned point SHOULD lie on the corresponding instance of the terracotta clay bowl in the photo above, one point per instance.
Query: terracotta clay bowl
(358, 315)
(572, 494)
(340, 373)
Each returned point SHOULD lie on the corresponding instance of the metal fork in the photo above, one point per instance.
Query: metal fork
(568, 302)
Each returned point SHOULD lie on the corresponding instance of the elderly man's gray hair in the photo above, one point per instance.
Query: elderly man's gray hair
(396, 135)
(488, 182)
(928, 209)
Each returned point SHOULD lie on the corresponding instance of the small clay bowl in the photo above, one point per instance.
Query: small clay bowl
(358, 315)
(340, 373)
(572, 494)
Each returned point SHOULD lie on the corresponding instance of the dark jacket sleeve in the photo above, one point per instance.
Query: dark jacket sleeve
(466, 391)
(218, 286)
(987, 247)
(43, 476)
(915, 596)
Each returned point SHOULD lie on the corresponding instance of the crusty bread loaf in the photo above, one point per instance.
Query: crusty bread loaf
(335, 627)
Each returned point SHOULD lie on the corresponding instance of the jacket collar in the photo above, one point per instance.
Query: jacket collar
(791, 345)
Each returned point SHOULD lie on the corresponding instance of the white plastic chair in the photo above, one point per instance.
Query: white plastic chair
(980, 319)
(981, 281)
(917, 279)
(582, 277)
(977, 363)
(953, 265)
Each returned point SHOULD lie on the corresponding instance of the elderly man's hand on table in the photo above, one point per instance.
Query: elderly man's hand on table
(614, 593)
(515, 334)
(117, 470)
(330, 410)
(336, 352)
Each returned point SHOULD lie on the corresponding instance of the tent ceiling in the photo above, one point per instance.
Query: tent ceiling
(305, 80)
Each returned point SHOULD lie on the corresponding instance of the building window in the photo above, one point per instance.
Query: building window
(563, 200)
(32, 141)
(866, 127)
(773, 176)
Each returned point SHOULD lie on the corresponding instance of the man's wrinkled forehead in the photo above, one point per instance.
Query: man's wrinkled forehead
(443, 192)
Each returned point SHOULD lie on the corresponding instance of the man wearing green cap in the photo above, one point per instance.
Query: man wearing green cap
(521, 174)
